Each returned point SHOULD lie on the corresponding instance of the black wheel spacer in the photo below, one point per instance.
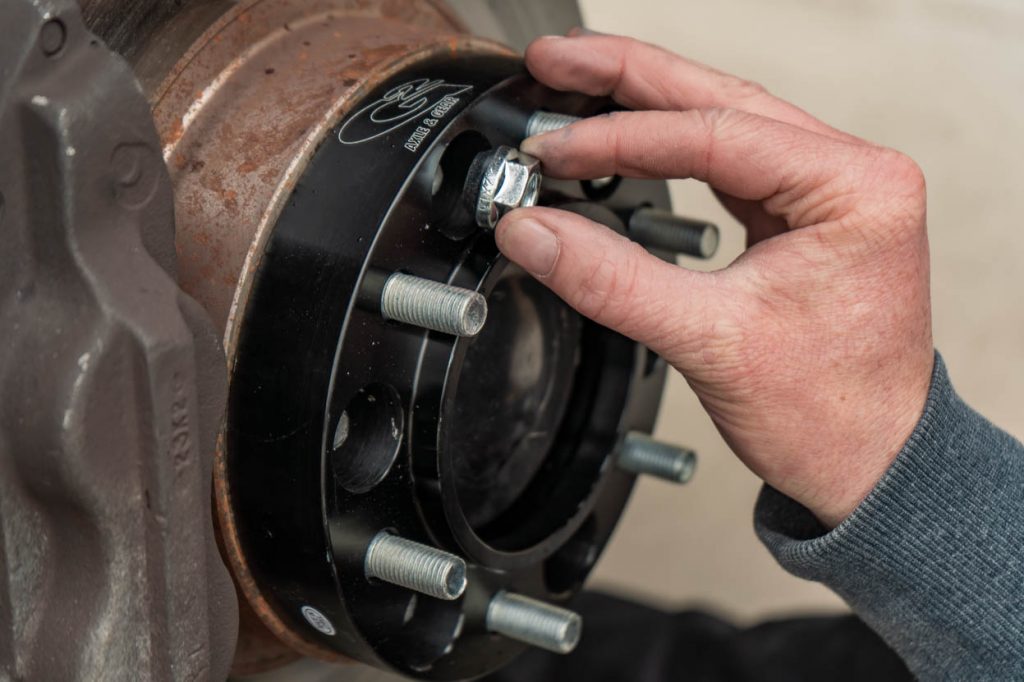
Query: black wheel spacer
(341, 424)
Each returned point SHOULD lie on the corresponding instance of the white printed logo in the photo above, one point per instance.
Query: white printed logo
(318, 620)
(404, 104)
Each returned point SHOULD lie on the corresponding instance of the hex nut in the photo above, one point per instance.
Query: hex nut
(509, 179)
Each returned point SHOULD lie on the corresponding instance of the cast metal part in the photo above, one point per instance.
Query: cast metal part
(415, 566)
(641, 454)
(658, 229)
(534, 622)
(433, 305)
(509, 179)
(111, 380)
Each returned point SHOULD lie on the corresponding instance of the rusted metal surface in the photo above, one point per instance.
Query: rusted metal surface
(239, 114)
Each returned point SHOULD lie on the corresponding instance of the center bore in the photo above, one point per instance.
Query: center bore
(516, 382)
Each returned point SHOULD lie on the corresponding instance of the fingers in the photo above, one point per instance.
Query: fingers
(642, 76)
(801, 176)
(607, 277)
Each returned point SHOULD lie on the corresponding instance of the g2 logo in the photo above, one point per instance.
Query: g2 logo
(400, 105)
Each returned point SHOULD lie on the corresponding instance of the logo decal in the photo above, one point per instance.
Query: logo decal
(404, 104)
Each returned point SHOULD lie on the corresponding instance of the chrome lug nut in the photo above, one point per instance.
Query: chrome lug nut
(509, 179)
(534, 622)
(417, 567)
(433, 305)
(659, 229)
(641, 454)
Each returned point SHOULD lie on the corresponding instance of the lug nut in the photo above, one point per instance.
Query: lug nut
(508, 179)
(533, 622)
(433, 305)
(663, 230)
(641, 454)
(409, 564)
(541, 122)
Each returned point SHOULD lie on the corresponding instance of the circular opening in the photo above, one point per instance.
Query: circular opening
(449, 210)
(514, 387)
(367, 437)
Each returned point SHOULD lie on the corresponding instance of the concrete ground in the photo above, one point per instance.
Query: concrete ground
(942, 80)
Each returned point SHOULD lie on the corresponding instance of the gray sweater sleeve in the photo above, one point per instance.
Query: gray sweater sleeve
(933, 558)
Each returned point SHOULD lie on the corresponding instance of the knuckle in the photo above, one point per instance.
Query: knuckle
(902, 184)
(741, 89)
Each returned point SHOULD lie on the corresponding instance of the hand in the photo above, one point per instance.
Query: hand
(812, 352)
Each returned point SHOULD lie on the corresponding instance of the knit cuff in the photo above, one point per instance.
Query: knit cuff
(933, 558)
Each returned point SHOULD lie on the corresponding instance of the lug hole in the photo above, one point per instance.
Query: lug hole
(367, 437)
(449, 211)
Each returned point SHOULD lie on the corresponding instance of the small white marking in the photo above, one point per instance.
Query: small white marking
(40, 101)
(70, 151)
(318, 620)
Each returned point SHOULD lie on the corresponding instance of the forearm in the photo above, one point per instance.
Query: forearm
(933, 558)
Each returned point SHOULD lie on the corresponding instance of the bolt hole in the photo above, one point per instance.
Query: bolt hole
(367, 437)
(52, 37)
(450, 210)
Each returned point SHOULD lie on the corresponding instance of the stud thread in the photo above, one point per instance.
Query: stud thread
(534, 622)
(415, 566)
(541, 122)
(641, 454)
(664, 230)
(433, 305)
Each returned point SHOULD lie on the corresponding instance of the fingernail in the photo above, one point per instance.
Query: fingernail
(530, 244)
(552, 37)
(533, 145)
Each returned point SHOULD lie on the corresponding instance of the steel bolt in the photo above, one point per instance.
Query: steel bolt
(533, 622)
(509, 179)
(541, 122)
(415, 566)
(664, 230)
(433, 305)
(642, 454)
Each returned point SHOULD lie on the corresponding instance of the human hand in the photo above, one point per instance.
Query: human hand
(812, 351)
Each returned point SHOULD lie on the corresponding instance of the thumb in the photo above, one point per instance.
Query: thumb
(610, 279)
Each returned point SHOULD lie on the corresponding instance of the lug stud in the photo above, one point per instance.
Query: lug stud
(534, 622)
(641, 454)
(417, 567)
(659, 229)
(433, 305)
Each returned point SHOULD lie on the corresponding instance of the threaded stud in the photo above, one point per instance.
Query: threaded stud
(433, 305)
(664, 230)
(417, 567)
(545, 121)
(641, 454)
(533, 622)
